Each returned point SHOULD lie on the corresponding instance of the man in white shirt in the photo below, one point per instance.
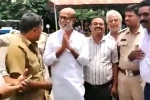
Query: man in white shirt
(141, 54)
(114, 22)
(67, 51)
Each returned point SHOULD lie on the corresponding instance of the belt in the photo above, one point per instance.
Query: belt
(98, 86)
(130, 72)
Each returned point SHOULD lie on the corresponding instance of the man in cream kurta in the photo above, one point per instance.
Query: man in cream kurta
(66, 69)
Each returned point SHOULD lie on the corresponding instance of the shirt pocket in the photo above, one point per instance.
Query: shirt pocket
(34, 64)
(123, 45)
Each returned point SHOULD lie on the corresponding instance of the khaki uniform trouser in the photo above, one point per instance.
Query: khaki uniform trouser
(130, 88)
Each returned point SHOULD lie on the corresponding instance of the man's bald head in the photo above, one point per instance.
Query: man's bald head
(67, 18)
(69, 11)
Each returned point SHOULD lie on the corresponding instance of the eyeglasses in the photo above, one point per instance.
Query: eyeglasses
(65, 18)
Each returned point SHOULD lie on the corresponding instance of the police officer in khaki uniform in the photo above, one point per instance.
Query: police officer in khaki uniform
(129, 81)
(23, 53)
(6, 39)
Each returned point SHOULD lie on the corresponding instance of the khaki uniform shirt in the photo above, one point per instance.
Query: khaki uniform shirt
(6, 39)
(23, 54)
(127, 43)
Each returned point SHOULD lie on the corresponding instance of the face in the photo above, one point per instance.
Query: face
(131, 19)
(97, 26)
(144, 14)
(114, 23)
(66, 21)
(36, 33)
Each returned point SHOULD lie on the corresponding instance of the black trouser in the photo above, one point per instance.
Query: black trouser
(97, 92)
(147, 91)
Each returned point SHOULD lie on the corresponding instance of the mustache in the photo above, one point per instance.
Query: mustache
(143, 21)
(98, 28)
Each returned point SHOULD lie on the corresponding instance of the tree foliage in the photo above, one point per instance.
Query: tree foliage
(87, 13)
(17, 9)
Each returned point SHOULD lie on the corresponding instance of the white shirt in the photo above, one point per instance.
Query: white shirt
(144, 63)
(102, 55)
(67, 72)
(109, 36)
(3, 51)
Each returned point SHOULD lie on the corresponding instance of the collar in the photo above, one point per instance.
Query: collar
(27, 42)
(146, 32)
(109, 36)
(103, 39)
(138, 31)
(61, 33)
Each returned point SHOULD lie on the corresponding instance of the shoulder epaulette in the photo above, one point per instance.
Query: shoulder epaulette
(123, 30)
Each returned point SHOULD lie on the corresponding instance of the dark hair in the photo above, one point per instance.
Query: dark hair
(29, 21)
(103, 18)
(144, 3)
(133, 8)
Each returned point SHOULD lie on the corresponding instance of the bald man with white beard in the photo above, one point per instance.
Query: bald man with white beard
(66, 52)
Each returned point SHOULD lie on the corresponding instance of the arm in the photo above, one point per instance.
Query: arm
(74, 53)
(83, 57)
(5, 39)
(3, 71)
(10, 80)
(132, 57)
(7, 90)
(2, 43)
(118, 50)
(40, 85)
(49, 56)
(15, 61)
(114, 57)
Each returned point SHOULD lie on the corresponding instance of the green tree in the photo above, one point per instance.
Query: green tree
(17, 9)
(87, 13)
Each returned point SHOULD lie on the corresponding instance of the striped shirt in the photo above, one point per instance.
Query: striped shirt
(102, 55)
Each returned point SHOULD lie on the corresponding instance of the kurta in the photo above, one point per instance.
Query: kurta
(67, 72)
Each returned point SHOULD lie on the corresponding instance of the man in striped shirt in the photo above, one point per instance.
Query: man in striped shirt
(101, 73)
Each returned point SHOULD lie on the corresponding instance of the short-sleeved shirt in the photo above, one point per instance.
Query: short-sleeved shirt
(23, 54)
(6, 39)
(127, 43)
(102, 56)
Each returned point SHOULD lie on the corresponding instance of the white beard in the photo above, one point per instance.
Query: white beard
(68, 27)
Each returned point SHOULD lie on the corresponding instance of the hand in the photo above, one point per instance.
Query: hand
(7, 90)
(136, 54)
(114, 91)
(23, 76)
(64, 42)
(68, 45)
(16, 81)
(25, 85)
